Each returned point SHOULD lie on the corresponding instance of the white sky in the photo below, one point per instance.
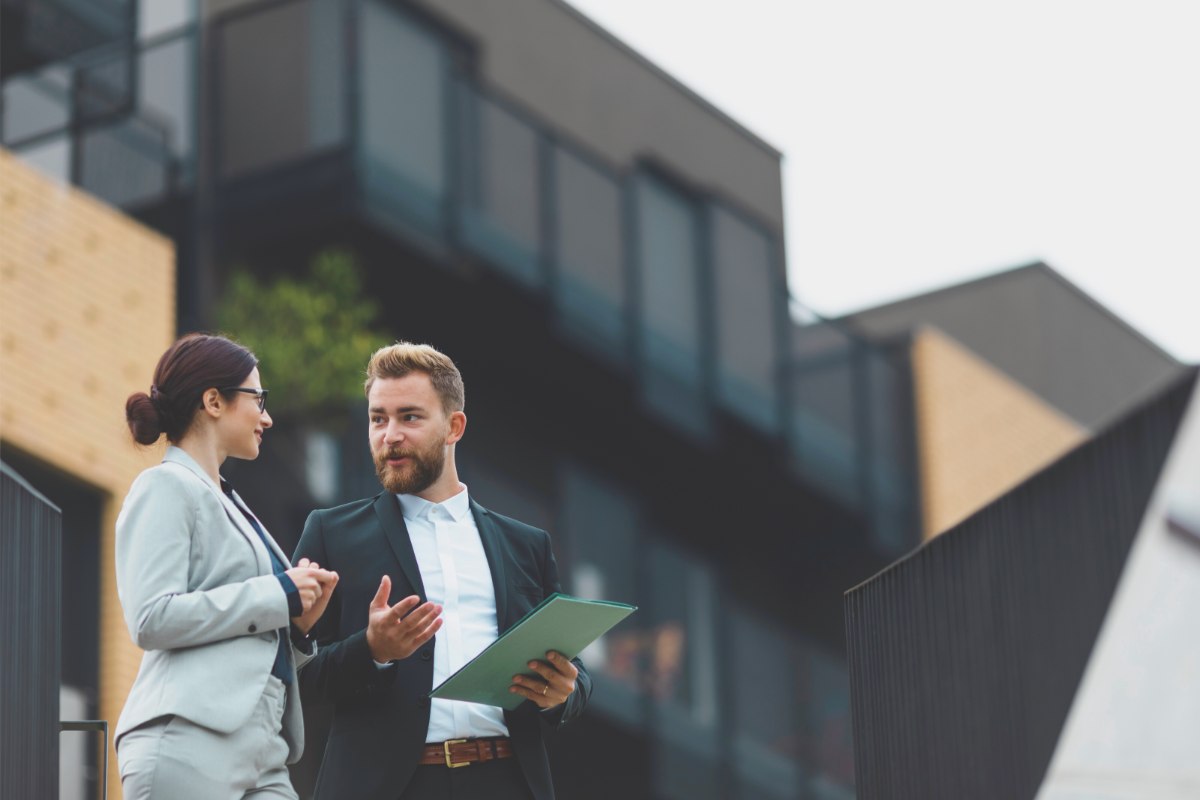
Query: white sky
(933, 141)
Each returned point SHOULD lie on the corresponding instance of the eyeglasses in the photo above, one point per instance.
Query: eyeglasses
(259, 394)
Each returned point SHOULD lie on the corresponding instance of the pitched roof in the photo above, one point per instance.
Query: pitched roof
(1043, 331)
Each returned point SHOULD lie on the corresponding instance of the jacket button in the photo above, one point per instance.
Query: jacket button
(253, 627)
(426, 655)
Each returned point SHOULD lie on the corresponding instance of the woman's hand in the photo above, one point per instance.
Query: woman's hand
(316, 587)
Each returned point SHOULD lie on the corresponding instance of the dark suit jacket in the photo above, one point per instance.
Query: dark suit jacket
(381, 716)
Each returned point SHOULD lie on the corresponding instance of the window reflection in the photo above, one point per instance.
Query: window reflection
(828, 742)
(747, 298)
(681, 672)
(824, 420)
(766, 747)
(402, 115)
(500, 170)
(590, 290)
(671, 323)
(601, 521)
(263, 97)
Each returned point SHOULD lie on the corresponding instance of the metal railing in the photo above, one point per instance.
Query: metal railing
(99, 726)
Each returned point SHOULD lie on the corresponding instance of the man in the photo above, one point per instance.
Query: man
(428, 578)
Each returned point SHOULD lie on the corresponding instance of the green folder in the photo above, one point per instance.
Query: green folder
(560, 622)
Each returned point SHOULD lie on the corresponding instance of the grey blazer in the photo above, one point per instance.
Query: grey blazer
(199, 597)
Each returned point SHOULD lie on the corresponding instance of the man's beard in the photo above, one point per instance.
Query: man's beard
(414, 477)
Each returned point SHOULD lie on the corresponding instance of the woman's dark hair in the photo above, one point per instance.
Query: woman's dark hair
(194, 364)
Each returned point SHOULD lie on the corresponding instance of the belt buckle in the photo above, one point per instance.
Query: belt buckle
(446, 751)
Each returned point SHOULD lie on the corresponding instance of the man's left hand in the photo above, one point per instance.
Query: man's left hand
(553, 683)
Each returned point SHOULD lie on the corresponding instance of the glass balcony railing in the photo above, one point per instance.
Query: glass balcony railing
(118, 121)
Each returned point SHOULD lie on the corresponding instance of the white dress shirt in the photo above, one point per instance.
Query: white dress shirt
(456, 575)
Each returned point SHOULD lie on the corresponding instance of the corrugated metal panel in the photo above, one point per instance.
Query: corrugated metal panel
(965, 656)
(30, 553)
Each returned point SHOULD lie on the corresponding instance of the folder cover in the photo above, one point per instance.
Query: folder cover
(560, 622)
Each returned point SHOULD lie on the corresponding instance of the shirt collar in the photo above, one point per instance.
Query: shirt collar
(414, 508)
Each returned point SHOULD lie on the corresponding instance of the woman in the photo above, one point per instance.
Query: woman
(215, 709)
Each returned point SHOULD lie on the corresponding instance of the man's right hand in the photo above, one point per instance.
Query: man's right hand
(395, 632)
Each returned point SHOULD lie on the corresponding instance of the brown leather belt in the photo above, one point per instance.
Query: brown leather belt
(454, 753)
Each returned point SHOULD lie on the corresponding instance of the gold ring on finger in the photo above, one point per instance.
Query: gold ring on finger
(545, 688)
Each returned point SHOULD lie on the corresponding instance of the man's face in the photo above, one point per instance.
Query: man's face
(410, 433)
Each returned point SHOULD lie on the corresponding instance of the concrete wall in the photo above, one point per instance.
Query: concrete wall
(979, 433)
(87, 306)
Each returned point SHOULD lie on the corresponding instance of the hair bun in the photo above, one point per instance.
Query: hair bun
(142, 414)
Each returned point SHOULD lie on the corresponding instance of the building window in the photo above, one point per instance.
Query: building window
(890, 458)
(590, 287)
(765, 743)
(601, 521)
(679, 607)
(501, 192)
(36, 104)
(824, 416)
(671, 321)
(402, 111)
(279, 103)
(828, 744)
(165, 81)
(749, 304)
(158, 17)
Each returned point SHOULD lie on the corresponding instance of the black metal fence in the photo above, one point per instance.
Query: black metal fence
(30, 557)
(965, 656)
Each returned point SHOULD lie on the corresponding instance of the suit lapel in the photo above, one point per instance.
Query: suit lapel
(493, 547)
(270, 540)
(387, 508)
(243, 525)
(179, 456)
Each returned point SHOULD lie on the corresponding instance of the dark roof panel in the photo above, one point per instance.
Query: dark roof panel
(1044, 332)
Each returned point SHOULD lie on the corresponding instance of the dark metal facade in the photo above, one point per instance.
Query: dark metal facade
(30, 553)
(965, 656)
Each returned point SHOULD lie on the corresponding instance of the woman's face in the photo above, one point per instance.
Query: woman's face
(241, 430)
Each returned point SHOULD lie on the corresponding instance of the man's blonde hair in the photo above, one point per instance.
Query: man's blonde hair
(404, 358)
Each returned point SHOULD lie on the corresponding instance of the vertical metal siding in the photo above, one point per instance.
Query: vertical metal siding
(965, 656)
(30, 552)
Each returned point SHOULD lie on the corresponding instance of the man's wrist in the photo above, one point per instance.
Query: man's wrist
(300, 638)
(375, 654)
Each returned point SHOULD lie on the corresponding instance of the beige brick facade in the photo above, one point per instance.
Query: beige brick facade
(87, 306)
(979, 432)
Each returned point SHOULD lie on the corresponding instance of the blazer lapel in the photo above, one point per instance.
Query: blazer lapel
(262, 559)
(270, 540)
(387, 508)
(493, 547)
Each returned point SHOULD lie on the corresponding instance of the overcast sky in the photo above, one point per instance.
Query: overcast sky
(933, 141)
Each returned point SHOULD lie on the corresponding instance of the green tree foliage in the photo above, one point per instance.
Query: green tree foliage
(312, 336)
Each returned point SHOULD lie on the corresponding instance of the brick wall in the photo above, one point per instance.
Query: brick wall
(979, 432)
(87, 306)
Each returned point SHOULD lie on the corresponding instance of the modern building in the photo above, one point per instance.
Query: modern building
(601, 251)
(1009, 372)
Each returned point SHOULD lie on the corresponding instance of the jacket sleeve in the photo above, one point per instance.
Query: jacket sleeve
(342, 668)
(575, 703)
(154, 547)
